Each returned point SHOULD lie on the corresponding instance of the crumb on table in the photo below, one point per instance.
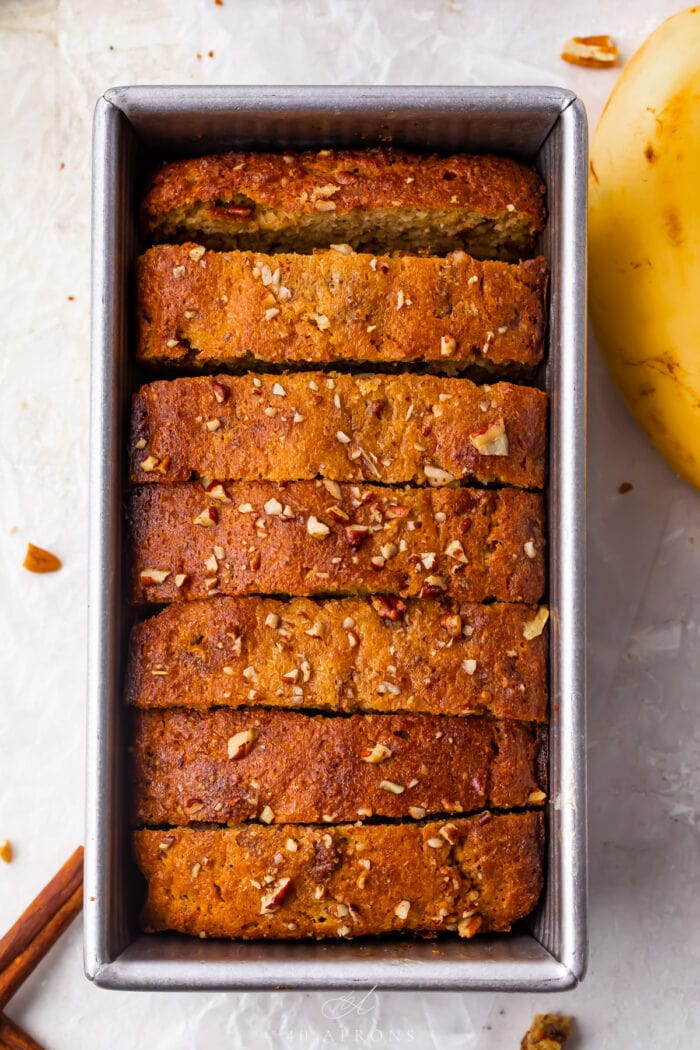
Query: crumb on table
(593, 52)
(547, 1032)
(38, 560)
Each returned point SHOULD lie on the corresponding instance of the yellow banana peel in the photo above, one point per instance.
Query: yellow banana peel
(644, 238)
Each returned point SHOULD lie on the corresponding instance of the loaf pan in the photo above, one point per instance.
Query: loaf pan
(134, 129)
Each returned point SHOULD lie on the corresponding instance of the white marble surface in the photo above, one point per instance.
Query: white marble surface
(644, 577)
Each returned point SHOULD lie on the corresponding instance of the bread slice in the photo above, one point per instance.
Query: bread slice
(389, 429)
(470, 875)
(349, 654)
(372, 199)
(282, 767)
(236, 309)
(310, 538)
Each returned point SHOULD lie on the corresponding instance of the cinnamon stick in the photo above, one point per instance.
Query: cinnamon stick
(12, 1037)
(40, 926)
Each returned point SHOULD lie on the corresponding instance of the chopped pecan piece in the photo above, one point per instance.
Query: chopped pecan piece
(388, 606)
(38, 560)
(594, 52)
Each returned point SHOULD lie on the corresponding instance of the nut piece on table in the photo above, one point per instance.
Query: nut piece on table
(5, 850)
(593, 52)
(38, 560)
(547, 1032)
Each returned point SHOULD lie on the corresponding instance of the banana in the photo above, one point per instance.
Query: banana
(644, 239)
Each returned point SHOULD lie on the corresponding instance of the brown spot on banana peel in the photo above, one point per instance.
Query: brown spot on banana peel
(650, 154)
(674, 114)
(664, 363)
(671, 119)
(657, 422)
(672, 223)
(651, 421)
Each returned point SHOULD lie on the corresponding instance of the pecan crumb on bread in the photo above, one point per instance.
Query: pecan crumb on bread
(378, 428)
(226, 767)
(237, 308)
(310, 538)
(442, 657)
(372, 199)
(468, 875)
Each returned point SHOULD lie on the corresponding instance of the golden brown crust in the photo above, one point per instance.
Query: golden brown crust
(388, 429)
(233, 882)
(217, 308)
(448, 658)
(489, 205)
(472, 544)
(282, 767)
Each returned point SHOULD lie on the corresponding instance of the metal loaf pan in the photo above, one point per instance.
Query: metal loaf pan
(135, 128)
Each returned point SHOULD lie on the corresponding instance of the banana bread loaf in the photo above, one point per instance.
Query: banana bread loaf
(226, 767)
(371, 199)
(352, 654)
(389, 429)
(470, 875)
(315, 538)
(237, 308)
